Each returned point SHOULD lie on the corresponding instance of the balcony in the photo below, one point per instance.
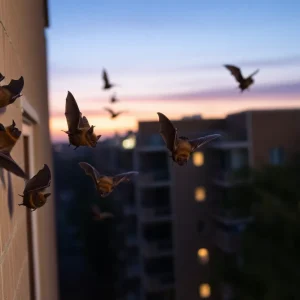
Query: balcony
(158, 248)
(231, 178)
(157, 213)
(227, 241)
(154, 178)
(159, 282)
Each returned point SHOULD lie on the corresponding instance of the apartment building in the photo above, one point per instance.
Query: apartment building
(27, 240)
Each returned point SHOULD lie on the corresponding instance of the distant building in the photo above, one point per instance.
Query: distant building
(28, 242)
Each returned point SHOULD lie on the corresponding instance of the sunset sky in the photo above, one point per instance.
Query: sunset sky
(168, 56)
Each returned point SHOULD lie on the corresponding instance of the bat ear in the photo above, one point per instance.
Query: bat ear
(98, 137)
(13, 123)
(47, 195)
(91, 130)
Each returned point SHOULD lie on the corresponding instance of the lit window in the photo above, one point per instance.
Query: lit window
(204, 290)
(200, 194)
(129, 143)
(203, 255)
(198, 159)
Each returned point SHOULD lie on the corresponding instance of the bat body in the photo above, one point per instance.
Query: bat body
(244, 83)
(9, 93)
(180, 147)
(112, 113)
(105, 184)
(8, 137)
(80, 132)
(34, 195)
(107, 84)
(100, 216)
(113, 99)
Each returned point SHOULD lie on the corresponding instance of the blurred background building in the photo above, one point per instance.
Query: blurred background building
(28, 266)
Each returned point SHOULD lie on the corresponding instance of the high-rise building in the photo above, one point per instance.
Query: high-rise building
(27, 239)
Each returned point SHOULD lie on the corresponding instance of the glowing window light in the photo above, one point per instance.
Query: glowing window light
(198, 159)
(129, 143)
(203, 255)
(204, 290)
(200, 194)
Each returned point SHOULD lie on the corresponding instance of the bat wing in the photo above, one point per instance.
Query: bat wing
(40, 181)
(123, 177)
(109, 110)
(199, 142)
(7, 163)
(90, 171)
(1, 77)
(235, 72)
(167, 131)
(84, 123)
(72, 113)
(254, 73)
(15, 86)
(105, 77)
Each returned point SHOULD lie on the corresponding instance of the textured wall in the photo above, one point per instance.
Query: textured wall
(23, 52)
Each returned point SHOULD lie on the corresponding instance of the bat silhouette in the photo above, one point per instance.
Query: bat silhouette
(244, 83)
(112, 113)
(9, 93)
(34, 195)
(8, 138)
(1, 77)
(107, 84)
(80, 132)
(113, 99)
(180, 147)
(100, 216)
(105, 184)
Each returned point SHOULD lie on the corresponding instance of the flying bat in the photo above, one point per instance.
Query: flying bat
(180, 147)
(79, 130)
(107, 83)
(113, 99)
(34, 195)
(8, 138)
(112, 113)
(105, 184)
(9, 93)
(99, 215)
(244, 83)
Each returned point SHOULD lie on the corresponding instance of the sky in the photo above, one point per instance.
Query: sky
(168, 56)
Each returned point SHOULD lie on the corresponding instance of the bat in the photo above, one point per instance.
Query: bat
(113, 114)
(244, 83)
(107, 83)
(1, 77)
(100, 216)
(105, 184)
(8, 137)
(113, 99)
(9, 93)
(80, 132)
(34, 195)
(180, 147)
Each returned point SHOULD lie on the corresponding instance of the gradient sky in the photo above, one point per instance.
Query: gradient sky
(167, 56)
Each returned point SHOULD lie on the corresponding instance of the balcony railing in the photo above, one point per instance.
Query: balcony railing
(157, 248)
(231, 177)
(233, 216)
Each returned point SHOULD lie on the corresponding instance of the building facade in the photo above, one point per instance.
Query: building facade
(27, 240)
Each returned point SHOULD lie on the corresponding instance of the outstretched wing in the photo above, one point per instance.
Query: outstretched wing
(167, 131)
(123, 177)
(84, 123)
(254, 73)
(199, 142)
(40, 181)
(235, 72)
(109, 110)
(72, 113)
(105, 77)
(7, 163)
(90, 171)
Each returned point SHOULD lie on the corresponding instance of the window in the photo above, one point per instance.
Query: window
(204, 290)
(203, 256)
(198, 159)
(200, 194)
(276, 156)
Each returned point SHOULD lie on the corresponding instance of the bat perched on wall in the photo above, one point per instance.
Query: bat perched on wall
(105, 184)
(180, 147)
(8, 137)
(79, 130)
(9, 93)
(34, 195)
(107, 84)
(99, 215)
(112, 113)
(244, 83)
